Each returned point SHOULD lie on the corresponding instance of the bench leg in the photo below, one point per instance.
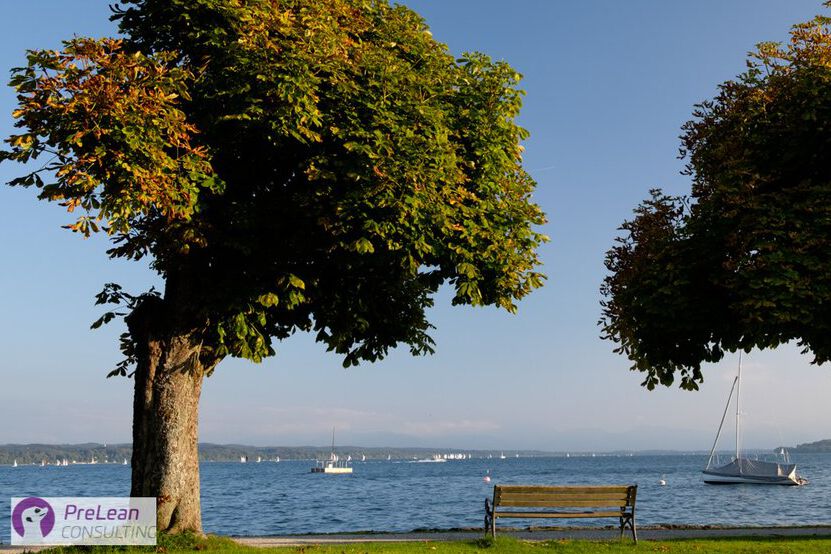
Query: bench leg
(628, 520)
(489, 519)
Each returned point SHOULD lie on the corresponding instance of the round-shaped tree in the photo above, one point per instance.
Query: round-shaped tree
(744, 262)
(286, 166)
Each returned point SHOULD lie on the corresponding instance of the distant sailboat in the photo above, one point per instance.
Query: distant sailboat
(334, 464)
(243, 459)
(744, 470)
(278, 459)
(501, 455)
(259, 459)
(363, 457)
(122, 463)
(14, 464)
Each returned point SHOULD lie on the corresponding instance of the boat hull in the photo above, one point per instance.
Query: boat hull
(718, 479)
(338, 470)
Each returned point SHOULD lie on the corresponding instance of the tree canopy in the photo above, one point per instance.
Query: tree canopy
(287, 166)
(742, 262)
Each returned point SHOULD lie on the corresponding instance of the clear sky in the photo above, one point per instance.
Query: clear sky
(608, 86)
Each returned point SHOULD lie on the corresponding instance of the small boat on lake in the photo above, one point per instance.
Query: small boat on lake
(334, 464)
(744, 470)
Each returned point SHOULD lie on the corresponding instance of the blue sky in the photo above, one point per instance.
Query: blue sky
(608, 86)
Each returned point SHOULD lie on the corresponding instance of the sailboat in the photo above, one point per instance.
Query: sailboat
(743, 470)
(334, 464)
(14, 464)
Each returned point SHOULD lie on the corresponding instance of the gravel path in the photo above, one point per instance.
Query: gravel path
(583, 533)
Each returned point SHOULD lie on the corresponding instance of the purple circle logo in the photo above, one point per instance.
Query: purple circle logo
(33, 518)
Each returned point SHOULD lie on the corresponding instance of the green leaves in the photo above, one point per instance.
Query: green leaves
(289, 166)
(743, 262)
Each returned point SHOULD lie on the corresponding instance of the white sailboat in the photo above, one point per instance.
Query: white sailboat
(14, 464)
(334, 464)
(743, 470)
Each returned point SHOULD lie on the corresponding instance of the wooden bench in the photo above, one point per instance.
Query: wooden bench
(529, 501)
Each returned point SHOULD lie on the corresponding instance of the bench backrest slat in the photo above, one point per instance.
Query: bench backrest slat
(580, 496)
(563, 504)
(563, 489)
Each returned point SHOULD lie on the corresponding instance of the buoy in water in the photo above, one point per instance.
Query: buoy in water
(662, 481)
(486, 479)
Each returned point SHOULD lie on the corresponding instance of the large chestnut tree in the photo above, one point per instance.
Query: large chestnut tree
(285, 166)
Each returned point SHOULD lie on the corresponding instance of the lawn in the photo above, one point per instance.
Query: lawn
(502, 545)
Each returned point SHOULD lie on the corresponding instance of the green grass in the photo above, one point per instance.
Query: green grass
(502, 545)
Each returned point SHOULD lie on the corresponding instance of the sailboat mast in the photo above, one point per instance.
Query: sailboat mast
(738, 405)
(333, 440)
(721, 424)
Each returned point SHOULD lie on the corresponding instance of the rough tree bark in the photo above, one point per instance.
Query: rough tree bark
(168, 381)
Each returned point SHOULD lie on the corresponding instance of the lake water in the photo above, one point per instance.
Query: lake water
(284, 498)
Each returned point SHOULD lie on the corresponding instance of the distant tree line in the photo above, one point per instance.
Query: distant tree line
(116, 453)
(817, 446)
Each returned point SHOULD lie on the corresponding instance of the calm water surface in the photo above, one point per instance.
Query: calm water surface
(284, 498)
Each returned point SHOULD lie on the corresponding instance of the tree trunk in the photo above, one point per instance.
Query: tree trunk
(168, 383)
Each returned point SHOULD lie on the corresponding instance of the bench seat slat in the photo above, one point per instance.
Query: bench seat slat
(555, 514)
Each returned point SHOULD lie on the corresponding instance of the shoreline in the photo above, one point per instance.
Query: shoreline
(651, 532)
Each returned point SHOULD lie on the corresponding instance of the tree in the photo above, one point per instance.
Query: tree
(743, 262)
(286, 166)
